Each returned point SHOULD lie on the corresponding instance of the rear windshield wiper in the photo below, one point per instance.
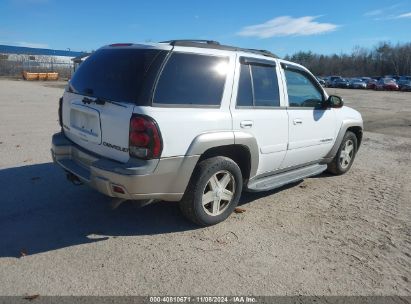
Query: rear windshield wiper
(101, 101)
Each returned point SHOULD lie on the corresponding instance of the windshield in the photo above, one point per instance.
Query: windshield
(114, 74)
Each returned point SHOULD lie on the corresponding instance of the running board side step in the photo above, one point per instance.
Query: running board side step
(280, 179)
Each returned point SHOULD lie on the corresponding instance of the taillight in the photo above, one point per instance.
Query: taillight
(144, 138)
(61, 111)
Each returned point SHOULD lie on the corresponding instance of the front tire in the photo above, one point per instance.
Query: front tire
(213, 191)
(344, 158)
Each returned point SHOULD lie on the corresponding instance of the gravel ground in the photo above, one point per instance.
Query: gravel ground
(345, 235)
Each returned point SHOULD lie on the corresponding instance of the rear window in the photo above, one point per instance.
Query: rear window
(114, 74)
(192, 79)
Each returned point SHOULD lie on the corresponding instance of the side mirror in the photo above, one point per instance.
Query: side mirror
(334, 101)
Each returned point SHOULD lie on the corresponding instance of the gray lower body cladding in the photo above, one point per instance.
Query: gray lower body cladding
(163, 179)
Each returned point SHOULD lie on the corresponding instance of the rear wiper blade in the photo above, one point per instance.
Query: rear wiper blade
(101, 101)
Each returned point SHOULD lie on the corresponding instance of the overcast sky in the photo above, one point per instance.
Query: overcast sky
(283, 27)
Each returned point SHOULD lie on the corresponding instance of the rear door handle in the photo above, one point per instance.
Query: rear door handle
(246, 124)
(297, 121)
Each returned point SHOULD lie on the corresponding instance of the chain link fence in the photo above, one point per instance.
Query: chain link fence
(13, 65)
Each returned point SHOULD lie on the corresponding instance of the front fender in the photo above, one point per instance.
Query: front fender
(345, 125)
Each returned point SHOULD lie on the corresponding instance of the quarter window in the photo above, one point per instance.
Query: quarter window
(192, 79)
(258, 86)
(301, 90)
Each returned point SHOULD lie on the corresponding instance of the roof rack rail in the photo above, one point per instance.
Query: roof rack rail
(211, 44)
(261, 52)
(186, 41)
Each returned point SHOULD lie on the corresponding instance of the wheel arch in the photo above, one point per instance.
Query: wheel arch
(357, 130)
(239, 146)
(354, 126)
(240, 154)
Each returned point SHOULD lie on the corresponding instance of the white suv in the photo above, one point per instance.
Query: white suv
(198, 122)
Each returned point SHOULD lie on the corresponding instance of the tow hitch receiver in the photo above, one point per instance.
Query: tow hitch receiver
(74, 179)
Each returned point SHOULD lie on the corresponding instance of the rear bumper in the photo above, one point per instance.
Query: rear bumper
(164, 179)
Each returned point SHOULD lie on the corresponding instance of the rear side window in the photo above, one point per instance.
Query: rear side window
(114, 74)
(258, 86)
(265, 85)
(192, 79)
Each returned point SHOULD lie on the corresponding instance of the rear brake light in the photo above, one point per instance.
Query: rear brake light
(138, 124)
(144, 138)
(139, 139)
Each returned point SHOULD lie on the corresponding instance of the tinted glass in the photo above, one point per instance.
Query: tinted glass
(114, 74)
(265, 86)
(301, 90)
(245, 92)
(191, 79)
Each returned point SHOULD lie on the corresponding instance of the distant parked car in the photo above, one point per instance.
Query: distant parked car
(371, 84)
(387, 84)
(394, 77)
(321, 81)
(406, 86)
(403, 80)
(329, 81)
(341, 83)
(357, 83)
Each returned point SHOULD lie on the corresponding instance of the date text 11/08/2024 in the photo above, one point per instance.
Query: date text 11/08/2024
(201, 299)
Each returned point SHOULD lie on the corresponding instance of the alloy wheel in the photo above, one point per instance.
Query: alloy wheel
(218, 193)
(347, 153)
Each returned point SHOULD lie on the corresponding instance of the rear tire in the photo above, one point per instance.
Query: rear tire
(213, 191)
(344, 158)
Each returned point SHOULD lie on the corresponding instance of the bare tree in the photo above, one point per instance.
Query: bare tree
(384, 59)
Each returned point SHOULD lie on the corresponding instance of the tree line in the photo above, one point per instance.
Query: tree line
(383, 59)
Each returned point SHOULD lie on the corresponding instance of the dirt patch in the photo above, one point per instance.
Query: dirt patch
(382, 111)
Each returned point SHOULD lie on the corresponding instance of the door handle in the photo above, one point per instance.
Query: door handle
(246, 124)
(297, 121)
